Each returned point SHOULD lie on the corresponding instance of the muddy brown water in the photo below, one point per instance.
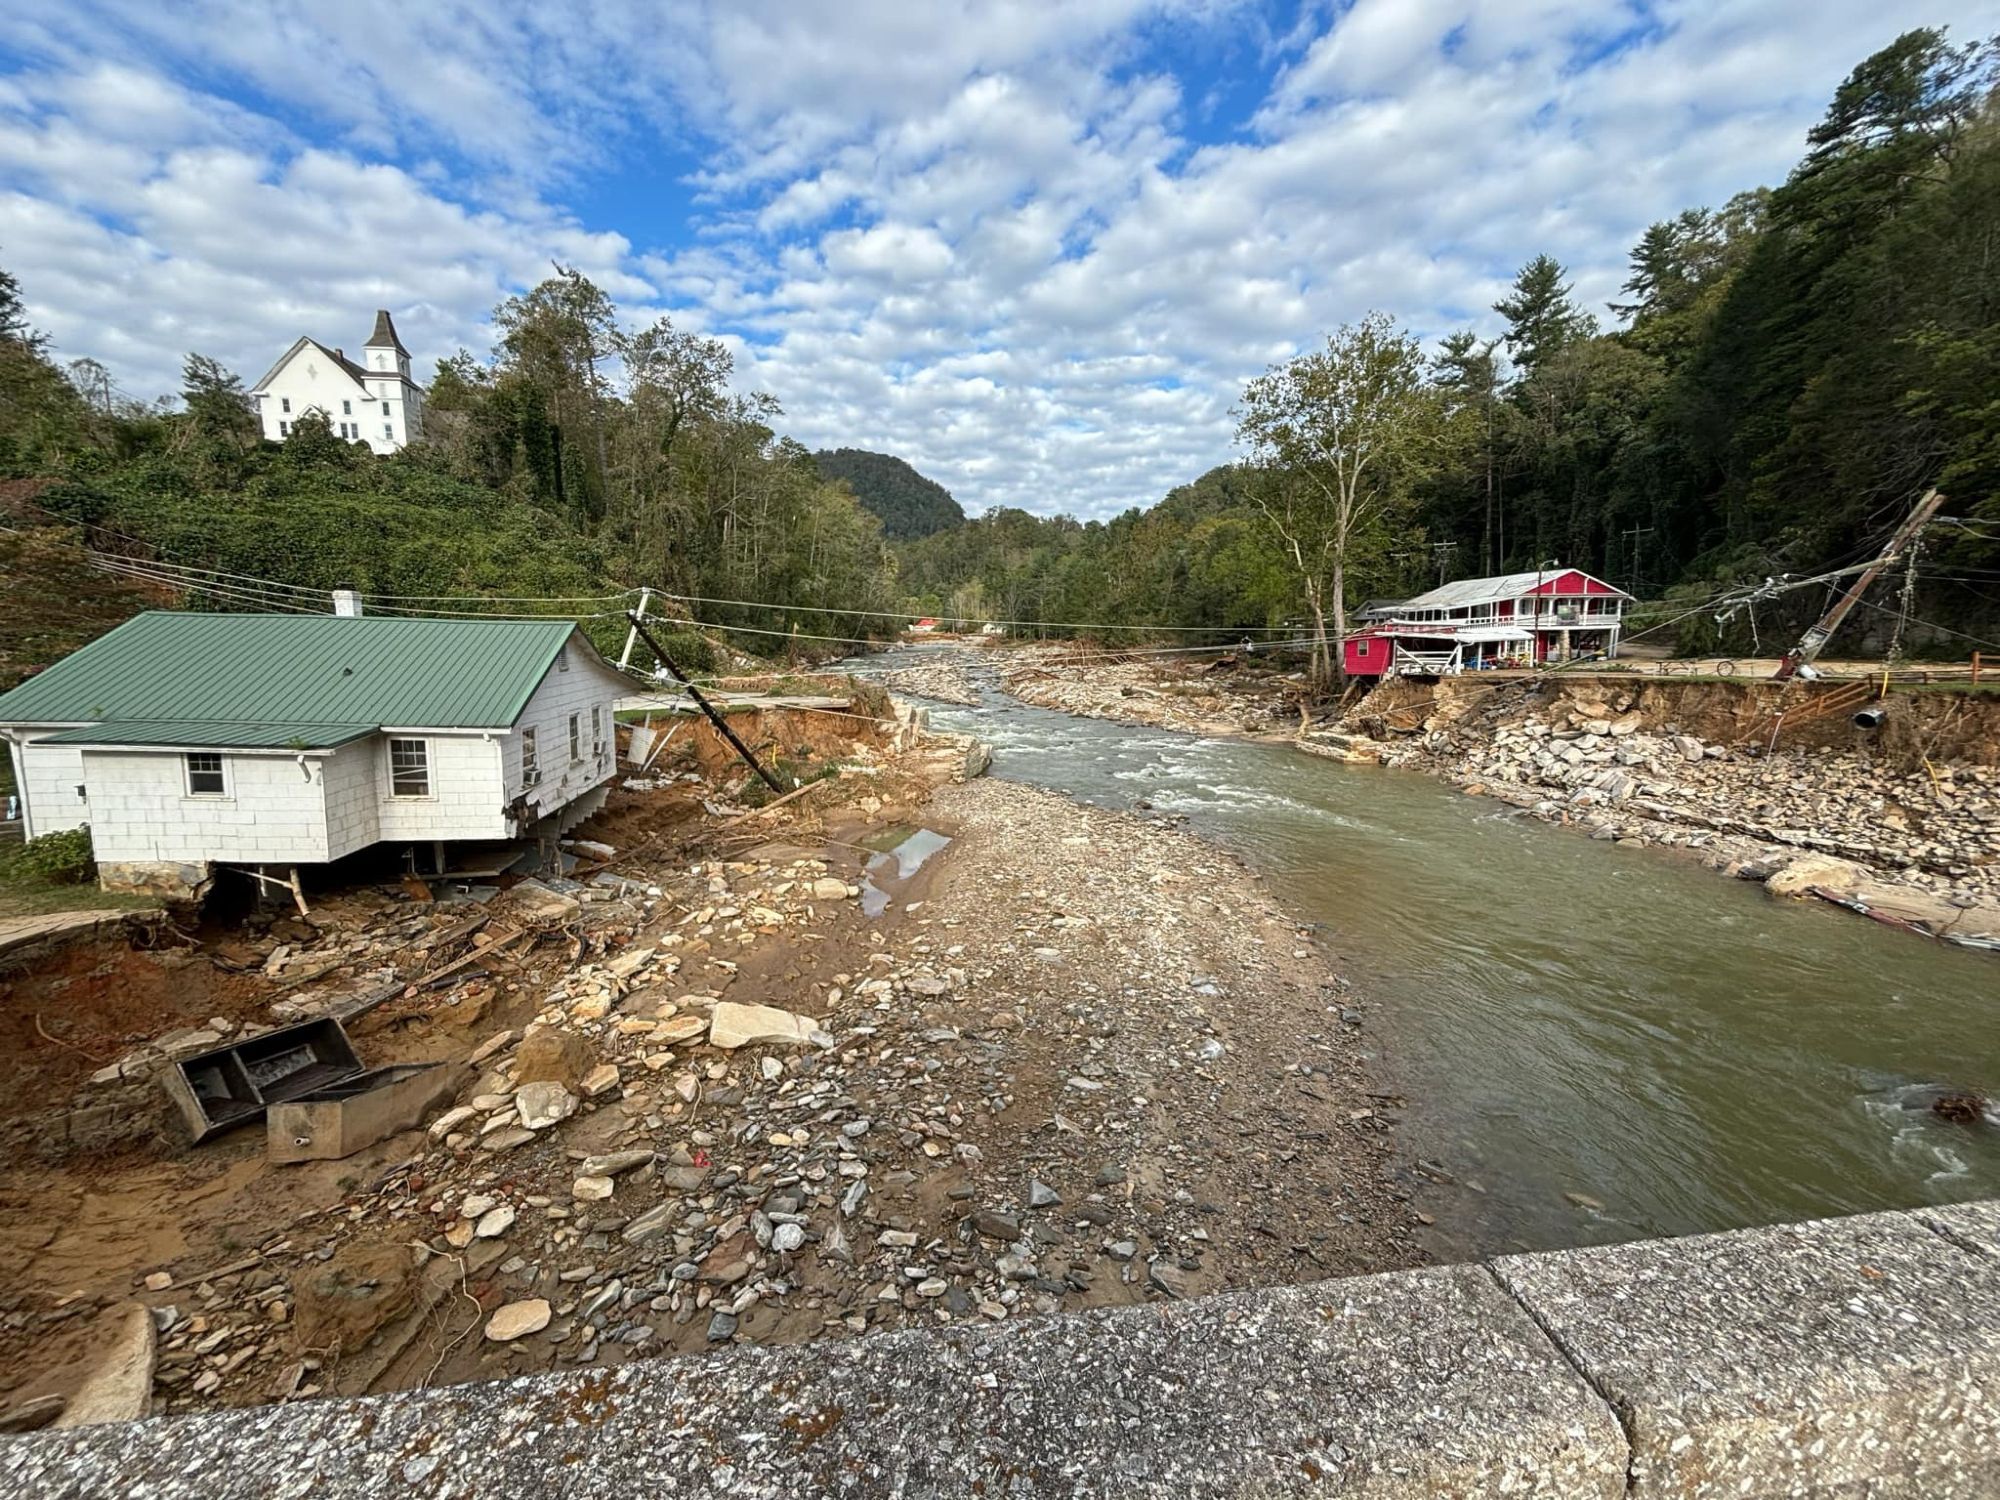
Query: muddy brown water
(1597, 1043)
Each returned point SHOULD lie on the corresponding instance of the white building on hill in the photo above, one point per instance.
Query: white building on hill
(376, 401)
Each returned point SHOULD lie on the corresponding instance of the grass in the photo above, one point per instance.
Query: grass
(26, 894)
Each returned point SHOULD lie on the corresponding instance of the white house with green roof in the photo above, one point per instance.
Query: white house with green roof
(188, 741)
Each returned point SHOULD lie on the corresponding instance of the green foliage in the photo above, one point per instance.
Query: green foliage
(908, 505)
(62, 858)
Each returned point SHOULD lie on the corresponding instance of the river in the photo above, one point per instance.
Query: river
(1596, 1043)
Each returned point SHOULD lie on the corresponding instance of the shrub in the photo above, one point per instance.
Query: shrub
(59, 858)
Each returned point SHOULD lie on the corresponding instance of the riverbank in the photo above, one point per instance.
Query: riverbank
(1212, 693)
(1070, 1059)
(1902, 822)
(1842, 816)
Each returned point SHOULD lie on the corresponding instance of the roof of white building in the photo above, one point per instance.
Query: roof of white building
(299, 681)
(1464, 591)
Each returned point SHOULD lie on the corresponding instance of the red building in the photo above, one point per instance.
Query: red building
(1481, 624)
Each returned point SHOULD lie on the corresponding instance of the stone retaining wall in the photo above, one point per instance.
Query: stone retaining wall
(1852, 1356)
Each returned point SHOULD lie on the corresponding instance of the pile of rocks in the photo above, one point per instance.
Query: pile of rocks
(946, 681)
(1146, 692)
(1936, 831)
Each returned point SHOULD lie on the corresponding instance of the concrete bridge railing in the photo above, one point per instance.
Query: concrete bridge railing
(1851, 1357)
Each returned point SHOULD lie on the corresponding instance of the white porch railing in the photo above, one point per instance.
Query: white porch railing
(1406, 663)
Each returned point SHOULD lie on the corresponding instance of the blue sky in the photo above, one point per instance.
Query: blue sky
(1036, 249)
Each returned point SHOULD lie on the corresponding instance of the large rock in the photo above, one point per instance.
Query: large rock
(548, 1055)
(517, 1320)
(538, 903)
(1841, 876)
(541, 1105)
(342, 1303)
(735, 1025)
(119, 1387)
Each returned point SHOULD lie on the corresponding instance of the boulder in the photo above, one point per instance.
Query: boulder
(538, 903)
(343, 1302)
(119, 1387)
(1841, 876)
(541, 1105)
(547, 1055)
(735, 1025)
(518, 1319)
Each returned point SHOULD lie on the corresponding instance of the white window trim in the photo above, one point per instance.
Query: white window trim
(227, 794)
(596, 729)
(576, 739)
(531, 759)
(429, 793)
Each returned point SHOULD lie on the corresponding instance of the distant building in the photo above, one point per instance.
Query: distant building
(1515, 620)
(188, 741)
(376, 401)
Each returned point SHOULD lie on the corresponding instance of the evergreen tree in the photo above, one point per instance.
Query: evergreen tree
(1542, 319)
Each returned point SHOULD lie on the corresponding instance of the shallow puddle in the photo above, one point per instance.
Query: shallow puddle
(904, 847)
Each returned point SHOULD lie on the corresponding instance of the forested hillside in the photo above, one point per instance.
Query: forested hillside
(540, 478)
(1786, 374)
(908, 505)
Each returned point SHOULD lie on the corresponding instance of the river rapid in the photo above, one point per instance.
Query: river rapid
(1596, 1043)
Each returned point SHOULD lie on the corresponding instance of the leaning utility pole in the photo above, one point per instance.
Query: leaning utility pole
(721, 724)
(1635, 532)
(625, 656)
(1800, 658)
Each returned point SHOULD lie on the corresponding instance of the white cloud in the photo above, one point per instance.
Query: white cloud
(1005, 240)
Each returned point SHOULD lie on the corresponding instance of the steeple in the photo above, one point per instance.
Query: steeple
(384, 351)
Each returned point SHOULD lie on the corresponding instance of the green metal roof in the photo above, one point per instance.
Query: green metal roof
(198, 734)
(291, 671)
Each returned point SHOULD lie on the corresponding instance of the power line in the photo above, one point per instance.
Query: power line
(890, 614)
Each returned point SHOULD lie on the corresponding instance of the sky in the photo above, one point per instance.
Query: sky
(1036, 249)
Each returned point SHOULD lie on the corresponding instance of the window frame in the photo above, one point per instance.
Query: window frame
(597, 729)
(221, 773)
(424, 750)
(388, 432)
(347, 407)
(385, 408)
(531, 759)
(575, 739)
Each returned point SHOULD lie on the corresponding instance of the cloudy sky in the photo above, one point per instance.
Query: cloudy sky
(1034, 248)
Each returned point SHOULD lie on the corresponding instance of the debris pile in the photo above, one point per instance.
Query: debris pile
(1081, 1060)
(1197, 695)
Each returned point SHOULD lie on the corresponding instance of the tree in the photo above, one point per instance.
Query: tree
(14, 327)
(219, 417)
(673, 376)
(1340, 434)
(1542, 320)
(1468, 378)
(557, 335)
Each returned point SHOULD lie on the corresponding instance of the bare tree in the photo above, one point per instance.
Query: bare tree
(1340, 433)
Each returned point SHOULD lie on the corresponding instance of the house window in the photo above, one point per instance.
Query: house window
(388, 433)
(596, 729)
(1361, 648)
(284, 429)
(284, 403)
(204, 773)
(385, 408)
(409, 768)
(575, 738)
(562, 659)
(347, 408)
(531, 767)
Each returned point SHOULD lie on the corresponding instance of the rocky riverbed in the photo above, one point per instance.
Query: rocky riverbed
(1199, 694)
(1919, 846)
(787, 1089)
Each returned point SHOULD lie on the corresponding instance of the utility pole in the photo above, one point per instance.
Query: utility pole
(632, 635)
(1798, 661)
(721, 724)
(1635, 532)
(1443, 551)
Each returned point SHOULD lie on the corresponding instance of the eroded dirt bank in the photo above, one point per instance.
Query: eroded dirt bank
(1073, 1058)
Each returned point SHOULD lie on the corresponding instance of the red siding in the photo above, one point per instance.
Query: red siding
(1570, 581)
(1364, 655)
